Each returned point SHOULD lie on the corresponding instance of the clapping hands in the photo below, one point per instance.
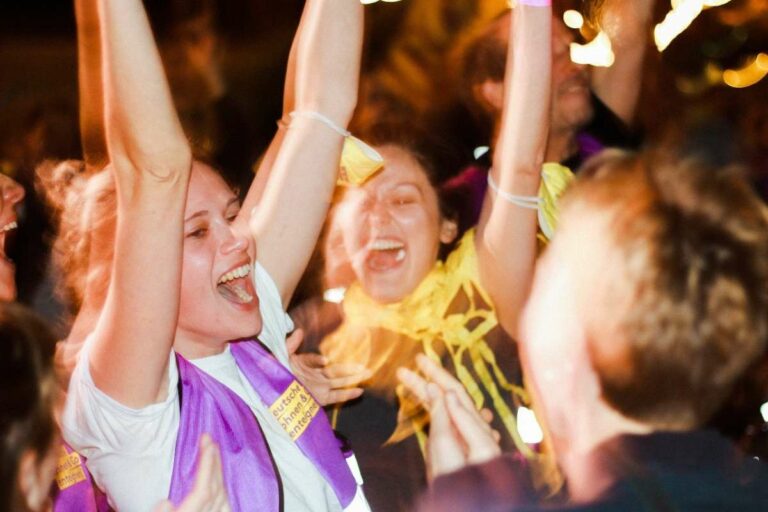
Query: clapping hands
(459, 434)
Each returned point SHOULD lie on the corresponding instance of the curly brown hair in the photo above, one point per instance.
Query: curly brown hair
(84, 203)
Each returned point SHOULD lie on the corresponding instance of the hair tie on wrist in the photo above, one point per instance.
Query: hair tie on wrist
(359, 161)
(317, 116)
(529, 202)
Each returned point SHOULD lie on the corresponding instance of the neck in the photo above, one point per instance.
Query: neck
(588, 428)
(191, 346)
(561, 145)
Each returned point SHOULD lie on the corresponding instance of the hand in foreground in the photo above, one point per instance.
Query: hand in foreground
(329, 384)
(459, 435)
(209, 493)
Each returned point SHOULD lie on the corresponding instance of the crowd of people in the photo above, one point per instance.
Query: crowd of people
(346, 329)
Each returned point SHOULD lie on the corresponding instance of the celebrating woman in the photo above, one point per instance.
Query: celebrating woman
(186, 279)
(405, 301)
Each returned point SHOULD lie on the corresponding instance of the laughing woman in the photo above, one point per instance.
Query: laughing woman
(161, 368)
(406, 302)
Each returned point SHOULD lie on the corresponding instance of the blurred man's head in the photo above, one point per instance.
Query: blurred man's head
(653, 297)
(483, 62)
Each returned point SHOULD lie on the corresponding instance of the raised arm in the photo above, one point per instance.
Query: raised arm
(91, 92)
(297, 195)
(628, 24)
(151, 161)
(506, 238)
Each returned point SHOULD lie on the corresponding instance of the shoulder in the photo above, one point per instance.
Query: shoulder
(276, 323)
(500, 484)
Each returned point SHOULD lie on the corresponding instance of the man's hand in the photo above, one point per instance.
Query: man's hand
(329, 384)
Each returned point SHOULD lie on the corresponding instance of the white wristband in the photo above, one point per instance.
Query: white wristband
(317, 116)
(529, 202)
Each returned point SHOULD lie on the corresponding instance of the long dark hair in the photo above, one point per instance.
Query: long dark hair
(28, 390)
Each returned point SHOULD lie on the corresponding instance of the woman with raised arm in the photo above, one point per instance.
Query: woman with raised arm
(159, 370)
(405, 303)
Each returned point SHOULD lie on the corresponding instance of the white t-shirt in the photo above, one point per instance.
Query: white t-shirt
(130, 452)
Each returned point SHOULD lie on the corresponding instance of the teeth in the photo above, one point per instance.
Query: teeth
(235, 274)
(9, 226)
(386, 245)
(242, 294)
(400, 255)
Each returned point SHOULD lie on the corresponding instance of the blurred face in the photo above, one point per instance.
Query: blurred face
(11, 194)
(391, 227)
(218, 299)
(553, 339)
(571, 103)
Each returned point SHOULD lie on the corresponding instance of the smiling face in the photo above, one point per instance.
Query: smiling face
(218, 300)
(11, 194)
(391, 227)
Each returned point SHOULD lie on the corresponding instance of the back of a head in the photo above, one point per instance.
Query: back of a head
(27, 396)
(688, 251)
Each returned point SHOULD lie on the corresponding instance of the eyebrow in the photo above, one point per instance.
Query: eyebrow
(203, 213)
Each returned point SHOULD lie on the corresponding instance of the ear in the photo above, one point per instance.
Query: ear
(490, 94)
(449, 229)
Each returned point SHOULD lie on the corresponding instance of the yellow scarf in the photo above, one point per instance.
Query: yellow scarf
(424, 317)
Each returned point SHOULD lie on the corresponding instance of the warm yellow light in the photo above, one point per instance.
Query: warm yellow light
(368, 2)
(762, 61)
(680, 18)
(597, 52)
(573, 19)
(748, 75)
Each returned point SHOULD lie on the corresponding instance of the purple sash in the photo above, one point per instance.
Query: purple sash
(74, 488)
(208, 406)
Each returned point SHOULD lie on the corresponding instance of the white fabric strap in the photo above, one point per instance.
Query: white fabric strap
(529, 202)
(317, 116)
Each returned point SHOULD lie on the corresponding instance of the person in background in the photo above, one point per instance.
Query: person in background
(650, 303)
(591, 108)
(407, 300)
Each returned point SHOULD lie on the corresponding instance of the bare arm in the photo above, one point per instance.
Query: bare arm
(506, 238)
(297, 195)
(151, 161)
(89, 82)
(628, 26)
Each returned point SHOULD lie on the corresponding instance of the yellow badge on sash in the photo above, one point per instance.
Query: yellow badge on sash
(294, 410)
(69, 469)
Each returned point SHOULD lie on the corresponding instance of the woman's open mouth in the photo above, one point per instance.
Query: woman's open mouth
(236, 285)
(385, 254)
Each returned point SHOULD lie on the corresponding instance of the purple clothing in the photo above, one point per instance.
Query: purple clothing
(250, 475)
(74, 488)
